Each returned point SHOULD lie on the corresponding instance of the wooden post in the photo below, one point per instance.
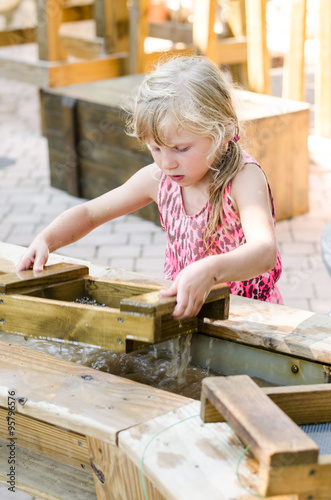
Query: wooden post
(204, 36)
(237, 24)
(323, 80)
(138, 33)
(257, 50)
(49, 20)
(69, 106)
(294, 68)
(112, 24)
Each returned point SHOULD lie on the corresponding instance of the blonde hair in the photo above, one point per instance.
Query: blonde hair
(192, 93)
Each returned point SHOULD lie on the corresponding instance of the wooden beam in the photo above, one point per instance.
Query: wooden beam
(50, 274)
(294, 67)
(231, 50)
(304, 404)
(69, 110)
(257, 50)
(44, 478)
(216, 305)
(17, 36)
(138, 33)
(49, 19)
(204, 36)
(273, 437)
(115, 476)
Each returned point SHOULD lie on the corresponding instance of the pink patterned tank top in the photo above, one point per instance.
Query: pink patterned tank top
(185, 239)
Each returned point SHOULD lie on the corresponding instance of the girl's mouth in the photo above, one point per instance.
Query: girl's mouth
(176, 178)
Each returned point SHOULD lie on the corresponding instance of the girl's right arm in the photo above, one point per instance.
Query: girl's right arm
(73, 224)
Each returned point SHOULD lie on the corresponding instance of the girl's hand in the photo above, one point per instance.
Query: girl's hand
(35, 257)
(192, 286)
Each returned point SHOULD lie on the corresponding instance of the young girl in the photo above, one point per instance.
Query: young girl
(214, 200)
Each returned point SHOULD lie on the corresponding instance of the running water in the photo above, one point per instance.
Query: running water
(165, 366)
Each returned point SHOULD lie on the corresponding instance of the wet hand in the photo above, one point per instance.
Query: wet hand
(192, 286)
(35, 257)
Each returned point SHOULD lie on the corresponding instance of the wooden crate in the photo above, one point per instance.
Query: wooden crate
(90, 153)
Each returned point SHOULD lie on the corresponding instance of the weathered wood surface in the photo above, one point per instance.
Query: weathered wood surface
(152, 304)
(50, 274)
(75, 397)
(184, 458)
(303, 404)
(45, 478)
(277, 328)
(272, 436)
(24, 65)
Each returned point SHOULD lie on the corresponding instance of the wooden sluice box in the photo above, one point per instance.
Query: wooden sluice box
(63, 302)
(83, 434)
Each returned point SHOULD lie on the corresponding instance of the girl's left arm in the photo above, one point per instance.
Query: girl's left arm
(258, 255)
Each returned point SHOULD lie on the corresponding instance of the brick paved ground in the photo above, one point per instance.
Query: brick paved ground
(28, 203)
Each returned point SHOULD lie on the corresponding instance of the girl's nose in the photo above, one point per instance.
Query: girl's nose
(168, 161)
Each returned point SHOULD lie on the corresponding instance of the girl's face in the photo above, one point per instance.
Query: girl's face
(186, 159)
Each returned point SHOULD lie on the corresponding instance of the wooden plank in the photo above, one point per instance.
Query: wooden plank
(310, 481)
(17, 36)
(257, 50)
(47, 74)
(48, 441)
(185, 459)
(50, 274)
(93, 325)
(204, 36)
(290, 331)
(69, 116)
(138, 33)
(87, 71)
(79, 40)
(153, 304)
(231, 50)
(44, 478)
(70, 396)
(323, 80)
(272, 436)
(49, 14)
(77, 11)
(294, 67)
(305, 404)
(115, 476)
(109, 292)
(174, 31)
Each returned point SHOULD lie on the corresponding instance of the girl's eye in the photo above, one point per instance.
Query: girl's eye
(182, 150)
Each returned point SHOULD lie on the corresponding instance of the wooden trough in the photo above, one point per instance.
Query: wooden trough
(78, 433)
(132, 313)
